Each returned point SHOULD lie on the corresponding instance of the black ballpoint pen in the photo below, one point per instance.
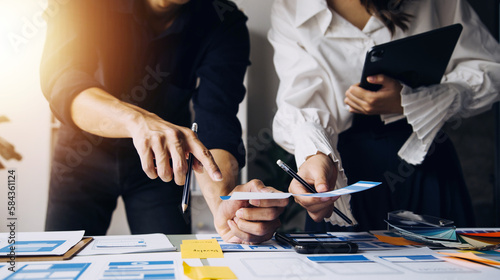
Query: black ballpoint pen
(296, 176)
(187, 183)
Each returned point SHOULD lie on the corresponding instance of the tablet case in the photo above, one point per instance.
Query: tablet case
(417, 60)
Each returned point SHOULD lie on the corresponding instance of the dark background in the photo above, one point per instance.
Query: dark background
(477, 142)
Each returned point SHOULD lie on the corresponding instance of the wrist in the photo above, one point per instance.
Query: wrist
(134, 120)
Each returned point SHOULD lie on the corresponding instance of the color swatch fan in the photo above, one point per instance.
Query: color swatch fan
(439, 232)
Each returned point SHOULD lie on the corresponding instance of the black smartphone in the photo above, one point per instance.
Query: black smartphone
(316, 243)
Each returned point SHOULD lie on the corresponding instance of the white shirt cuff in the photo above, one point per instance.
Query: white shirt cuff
(426, 110)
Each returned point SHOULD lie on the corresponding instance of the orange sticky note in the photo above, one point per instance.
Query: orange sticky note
(208, 272)
(201, 249)
(470, 256)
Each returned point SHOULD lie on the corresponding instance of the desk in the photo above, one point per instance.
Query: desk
(255, 265)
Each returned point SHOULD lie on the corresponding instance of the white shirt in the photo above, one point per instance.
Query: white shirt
(319, 54)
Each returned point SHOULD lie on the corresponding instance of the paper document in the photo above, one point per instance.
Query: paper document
(39, 243)
(123, 244)
(356, 187)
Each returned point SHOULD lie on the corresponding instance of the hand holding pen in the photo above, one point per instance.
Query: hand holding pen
(321, 210)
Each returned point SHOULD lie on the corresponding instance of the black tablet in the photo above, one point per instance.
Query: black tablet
(417, 60)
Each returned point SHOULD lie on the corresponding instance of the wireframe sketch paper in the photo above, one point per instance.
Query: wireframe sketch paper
(123, 244)
(39, 243)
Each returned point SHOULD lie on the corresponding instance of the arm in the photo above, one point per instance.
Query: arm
(156, 140)
(308, 119)
(77, 99)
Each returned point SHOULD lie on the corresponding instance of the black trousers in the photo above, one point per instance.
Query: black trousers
(436, 187)
(88, 175)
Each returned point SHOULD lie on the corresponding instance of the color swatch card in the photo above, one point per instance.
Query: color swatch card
(354, 188)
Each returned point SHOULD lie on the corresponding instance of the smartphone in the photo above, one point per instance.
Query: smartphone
(316, 243)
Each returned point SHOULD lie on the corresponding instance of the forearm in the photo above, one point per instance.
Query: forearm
(98, 112)
(212, 190)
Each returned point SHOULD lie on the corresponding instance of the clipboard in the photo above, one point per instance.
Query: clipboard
(417, 60)
(66, 256)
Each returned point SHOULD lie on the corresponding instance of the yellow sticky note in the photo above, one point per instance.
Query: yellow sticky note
(201, 249)
(208, 272)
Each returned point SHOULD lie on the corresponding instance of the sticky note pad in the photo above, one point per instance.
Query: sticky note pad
(201, 249)
(208, 272)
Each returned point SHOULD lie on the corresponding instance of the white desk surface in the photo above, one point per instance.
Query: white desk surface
(265, 265)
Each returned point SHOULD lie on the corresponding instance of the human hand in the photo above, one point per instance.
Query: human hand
(319, 171)
(169, 145)
(387, 100)
(249, 221)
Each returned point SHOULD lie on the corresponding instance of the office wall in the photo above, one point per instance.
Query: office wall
(21, 38)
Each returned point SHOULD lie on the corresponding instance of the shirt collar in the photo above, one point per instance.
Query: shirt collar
(308, 9)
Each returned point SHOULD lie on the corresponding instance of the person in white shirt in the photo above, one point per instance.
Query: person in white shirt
(341, 133)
